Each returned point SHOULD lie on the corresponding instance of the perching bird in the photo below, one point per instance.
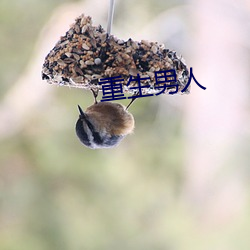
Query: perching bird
(104, 124)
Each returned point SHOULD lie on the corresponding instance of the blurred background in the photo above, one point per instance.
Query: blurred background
(180, 182)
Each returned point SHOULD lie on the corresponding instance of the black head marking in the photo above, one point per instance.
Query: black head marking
(81, 133)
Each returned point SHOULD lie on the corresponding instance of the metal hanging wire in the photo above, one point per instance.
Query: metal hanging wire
(110, 16)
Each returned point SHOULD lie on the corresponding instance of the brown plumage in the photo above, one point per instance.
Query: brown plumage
(112, 117)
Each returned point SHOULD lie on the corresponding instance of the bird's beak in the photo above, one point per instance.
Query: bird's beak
(82, 115)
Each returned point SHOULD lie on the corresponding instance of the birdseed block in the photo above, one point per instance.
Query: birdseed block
(86, 54)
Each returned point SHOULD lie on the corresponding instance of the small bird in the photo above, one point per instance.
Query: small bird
(104, 124)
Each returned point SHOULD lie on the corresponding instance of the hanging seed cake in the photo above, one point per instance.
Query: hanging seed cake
(87, 53)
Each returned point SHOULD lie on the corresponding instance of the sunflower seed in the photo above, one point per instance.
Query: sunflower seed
(85, 46)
